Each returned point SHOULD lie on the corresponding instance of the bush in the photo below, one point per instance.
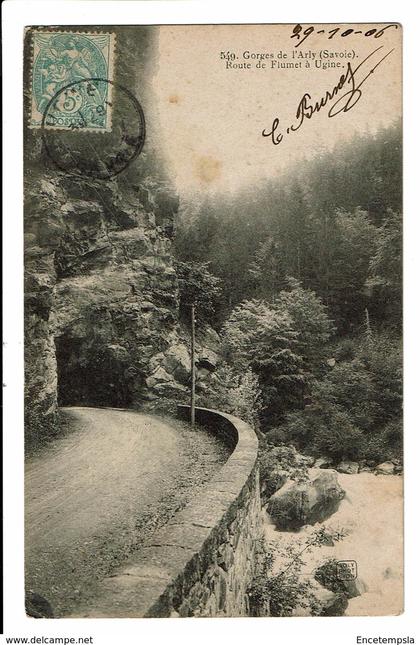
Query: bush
(345, 350)
(276, 436)
(355, 410)
(282, 593)
(329, 433)
(234, 393)
(382, 359)
(338, 437)
(332, 433)
(301, 427)
(386, 444)
(348, 388)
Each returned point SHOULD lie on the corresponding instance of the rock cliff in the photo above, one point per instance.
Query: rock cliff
(101, 293)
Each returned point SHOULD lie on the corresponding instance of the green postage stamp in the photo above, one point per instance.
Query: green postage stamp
(72, 75)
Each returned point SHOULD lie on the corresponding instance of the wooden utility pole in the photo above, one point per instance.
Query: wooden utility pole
(192, 365)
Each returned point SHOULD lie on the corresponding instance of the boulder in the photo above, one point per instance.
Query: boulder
(329, 603)
(309, 460)
(332, 604)
(348, 467)
(175, 356)
(324, 462)
(398, 469)
(327, 576)
(387, 468)
(208, 359)
(158, 376)
(275, 480)
(209, 340)
(308, 502)
(37, 606)
(178, 363)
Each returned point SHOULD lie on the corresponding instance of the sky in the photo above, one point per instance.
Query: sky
(212, 117)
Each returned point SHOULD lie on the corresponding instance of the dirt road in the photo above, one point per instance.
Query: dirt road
(101, 490)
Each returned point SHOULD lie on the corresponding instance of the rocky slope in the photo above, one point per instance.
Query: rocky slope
(101, 293)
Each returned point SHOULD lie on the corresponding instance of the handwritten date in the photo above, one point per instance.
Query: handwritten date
(301, 34)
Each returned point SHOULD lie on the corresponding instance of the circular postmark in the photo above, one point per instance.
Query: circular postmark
(93, 127)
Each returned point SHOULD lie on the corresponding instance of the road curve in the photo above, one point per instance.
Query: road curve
(97, 493)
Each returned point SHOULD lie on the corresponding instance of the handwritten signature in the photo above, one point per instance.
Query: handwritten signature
(344, 103)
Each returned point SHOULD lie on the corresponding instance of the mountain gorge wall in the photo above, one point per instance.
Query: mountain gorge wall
(101, 292)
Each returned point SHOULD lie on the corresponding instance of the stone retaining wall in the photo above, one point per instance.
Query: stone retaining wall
(202, 561)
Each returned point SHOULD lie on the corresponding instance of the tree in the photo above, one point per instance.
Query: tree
(283, 342)
(348, 388)
(197, 285)
(267, 269)
(259, 336)
(385, 270)
(234, 393)
(344, 246)
(309, 318)
(293, 230)
(356, 408)
(382, 359)
(318, 222)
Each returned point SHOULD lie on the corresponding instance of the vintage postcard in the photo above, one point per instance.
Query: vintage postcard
(213, 327)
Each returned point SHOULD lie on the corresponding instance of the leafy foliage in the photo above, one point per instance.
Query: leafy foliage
(385, 270)
(309, 298)
(280, 342)
(197, 285)
(234, 393)
(309, 318)
(278, 464)
(262, 338)
(355, 410)
(283, 592)
(267, 269)
(320, 223)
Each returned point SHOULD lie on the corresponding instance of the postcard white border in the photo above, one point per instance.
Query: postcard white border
(20, 13)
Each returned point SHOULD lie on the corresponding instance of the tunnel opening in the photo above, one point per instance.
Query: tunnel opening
(92, 374)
